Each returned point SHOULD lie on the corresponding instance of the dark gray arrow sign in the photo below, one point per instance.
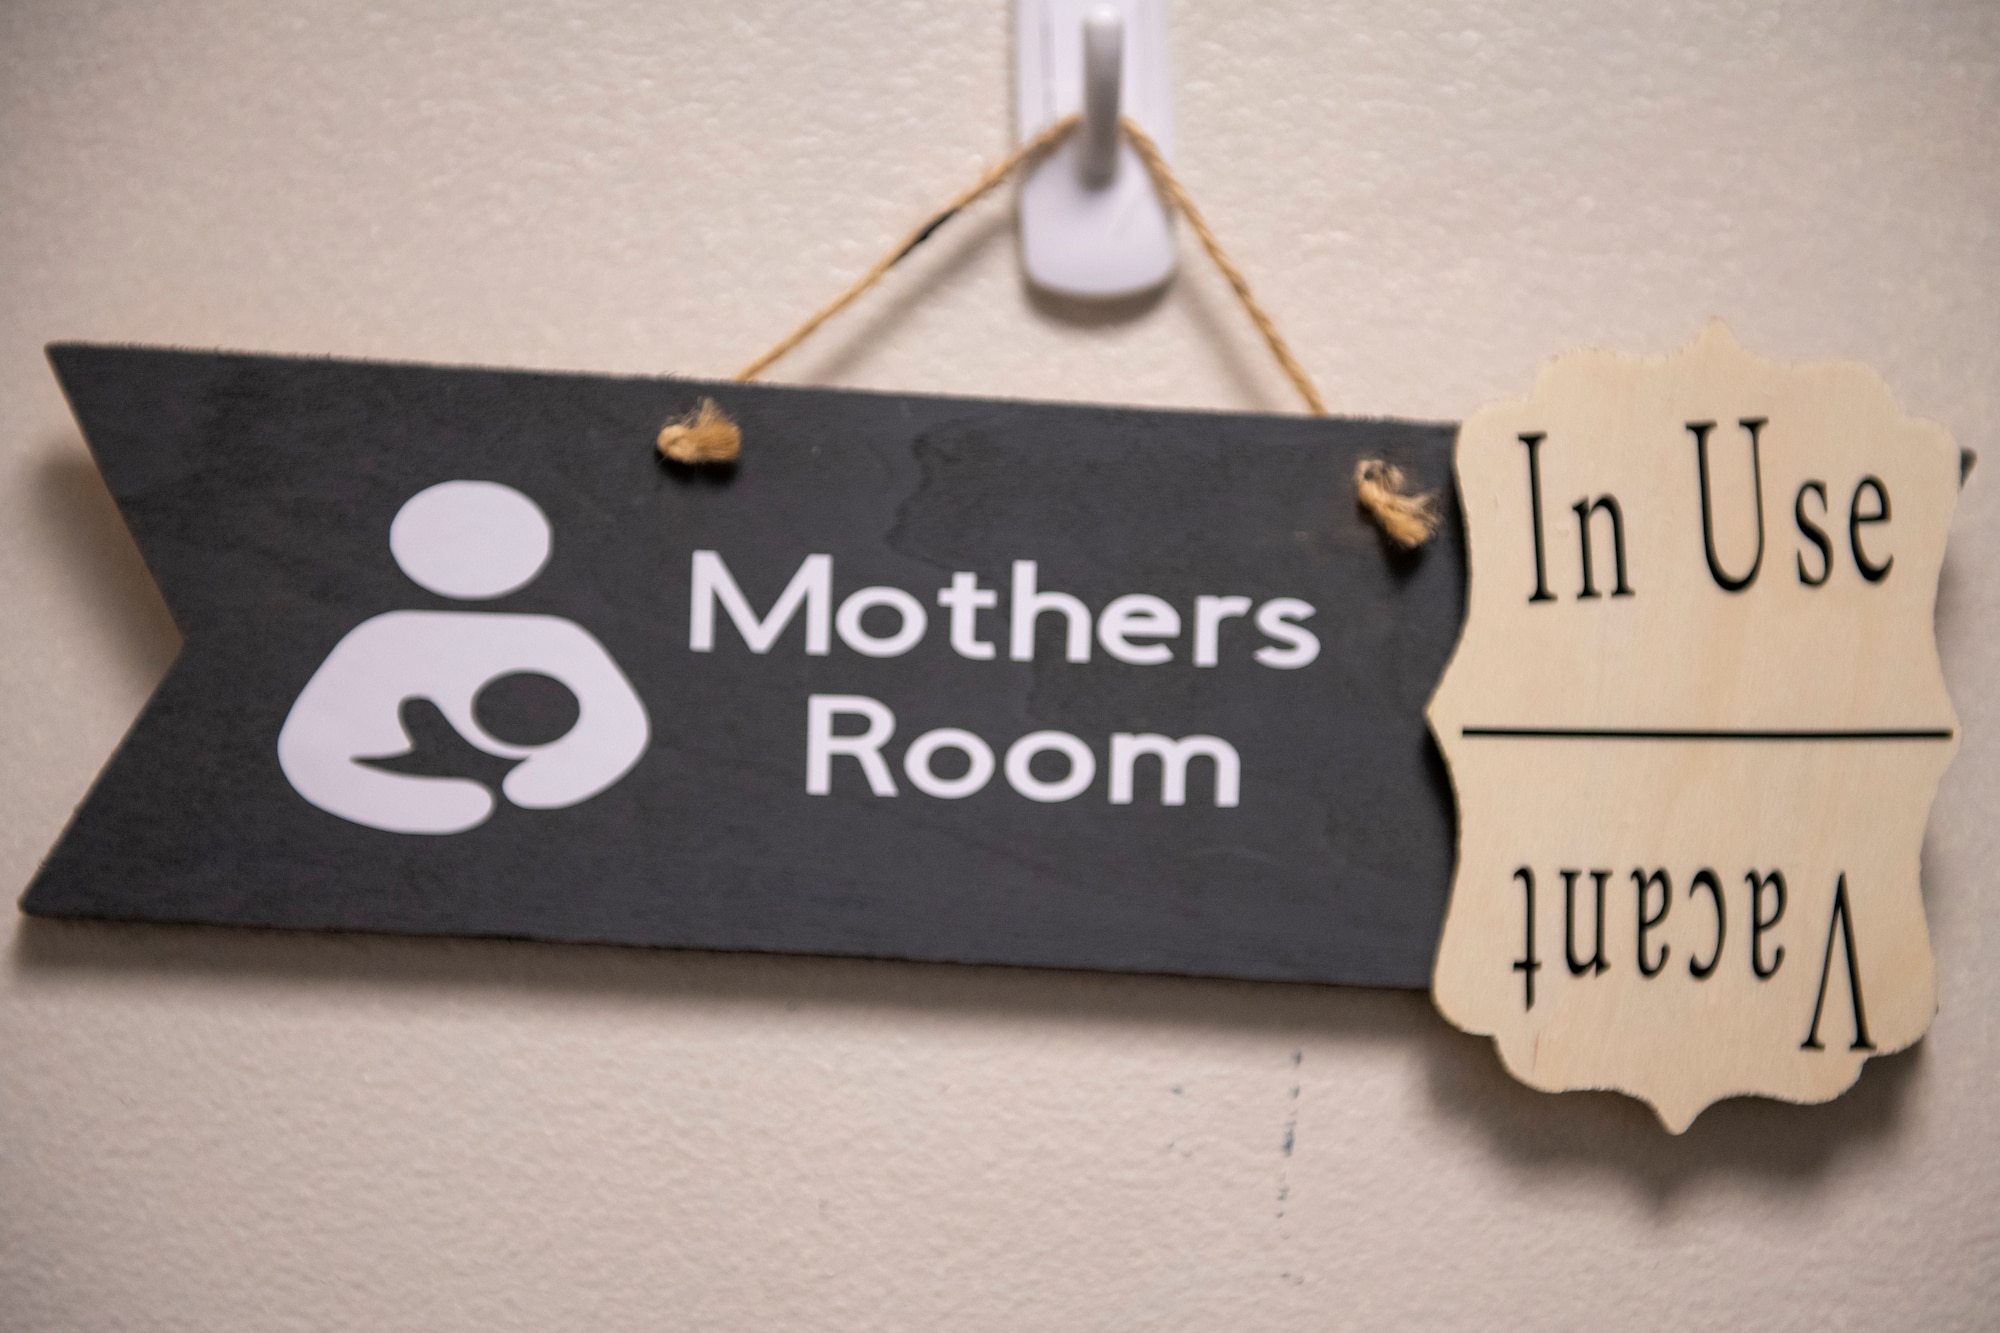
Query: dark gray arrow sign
(920, 677)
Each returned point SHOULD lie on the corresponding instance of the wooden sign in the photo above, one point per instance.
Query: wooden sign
(919, 677)
(1694, 726)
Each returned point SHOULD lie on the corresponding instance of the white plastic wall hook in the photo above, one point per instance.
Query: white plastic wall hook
(1103, 79)
(1091, 222)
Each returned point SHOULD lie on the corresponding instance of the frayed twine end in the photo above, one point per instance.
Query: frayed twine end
(705, 435)
(1405, 519)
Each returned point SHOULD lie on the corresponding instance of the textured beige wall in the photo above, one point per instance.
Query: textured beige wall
(219, 1130)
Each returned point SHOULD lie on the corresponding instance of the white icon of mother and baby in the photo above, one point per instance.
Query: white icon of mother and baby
(469, 540)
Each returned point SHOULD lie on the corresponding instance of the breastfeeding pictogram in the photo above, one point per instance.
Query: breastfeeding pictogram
(470, 540)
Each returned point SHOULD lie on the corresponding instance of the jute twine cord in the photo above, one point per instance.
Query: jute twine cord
(1170, 186)
(707, 435)
(993, 176)
(1405, 519)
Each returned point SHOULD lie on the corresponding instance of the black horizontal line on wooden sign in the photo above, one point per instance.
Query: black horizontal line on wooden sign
(1713, 734)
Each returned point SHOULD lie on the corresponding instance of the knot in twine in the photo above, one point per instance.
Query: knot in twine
(708, 436)
(705, 435)
(1405, 519)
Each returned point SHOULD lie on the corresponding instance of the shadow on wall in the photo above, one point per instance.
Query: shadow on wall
(1771, 1142)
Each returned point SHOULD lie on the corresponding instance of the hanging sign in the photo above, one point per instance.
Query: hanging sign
(1695, 725)
(919, 677)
